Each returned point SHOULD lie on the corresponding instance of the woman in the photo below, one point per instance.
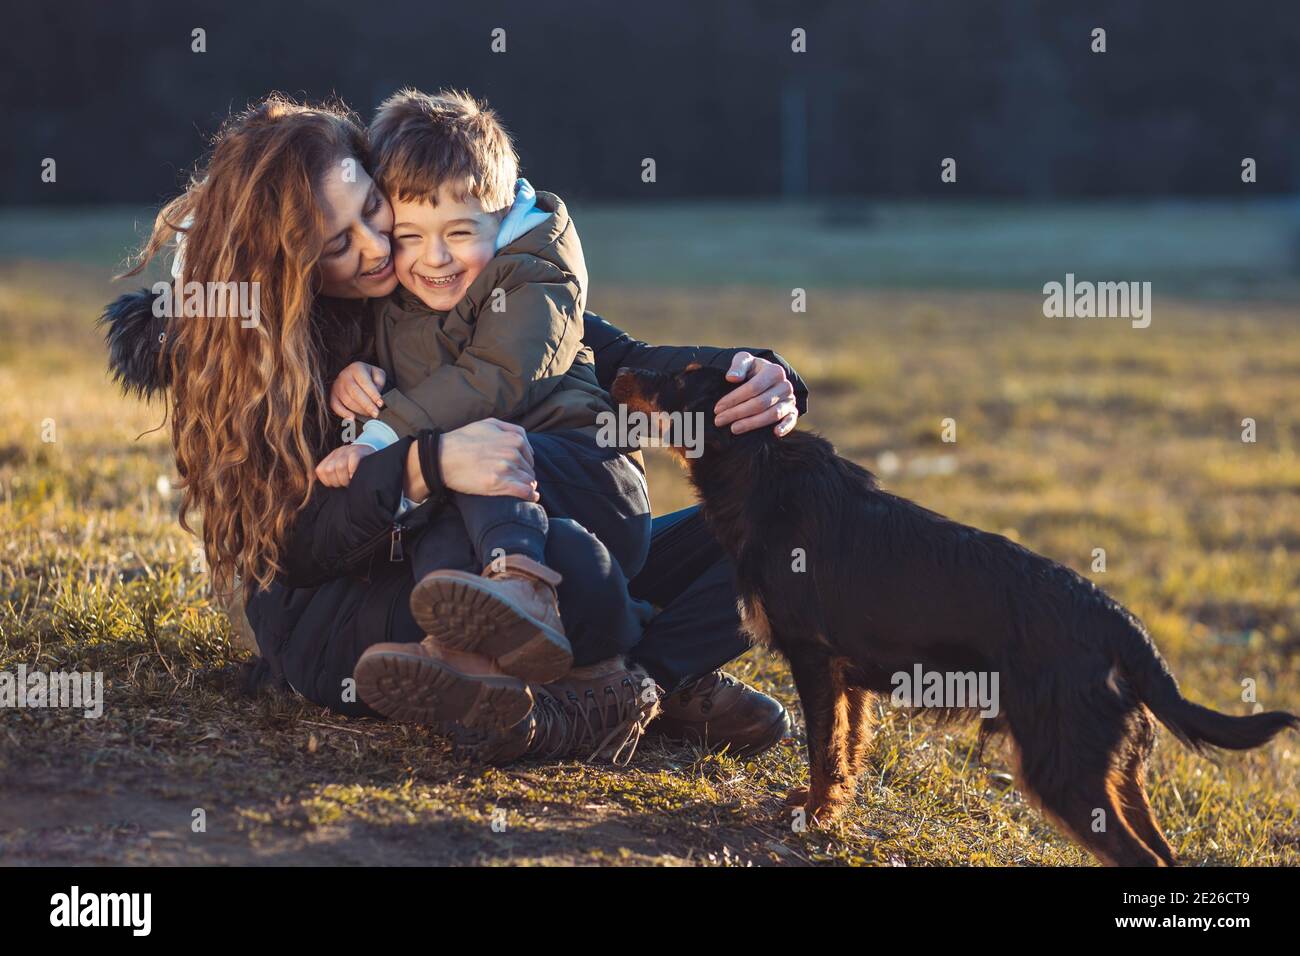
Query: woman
(285, 204)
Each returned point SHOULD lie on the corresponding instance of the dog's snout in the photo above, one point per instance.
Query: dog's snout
(634, 386)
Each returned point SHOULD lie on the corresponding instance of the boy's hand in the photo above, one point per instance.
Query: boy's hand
(356, 392)
(337, 468)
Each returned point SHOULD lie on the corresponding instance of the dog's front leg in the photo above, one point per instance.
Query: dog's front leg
(861, 729)
(825, 704)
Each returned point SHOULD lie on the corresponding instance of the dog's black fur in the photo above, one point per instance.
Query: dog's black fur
(889, 585)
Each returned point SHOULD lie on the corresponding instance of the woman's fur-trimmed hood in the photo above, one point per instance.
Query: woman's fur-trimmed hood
(136, 335)
(135, 338)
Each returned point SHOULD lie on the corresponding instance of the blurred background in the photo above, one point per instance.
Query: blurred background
(1131, 157)
(774, 171)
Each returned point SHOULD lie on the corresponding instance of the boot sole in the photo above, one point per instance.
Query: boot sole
(459, 612)
(414, 688)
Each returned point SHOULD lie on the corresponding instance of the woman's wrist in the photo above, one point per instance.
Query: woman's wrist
(429, 445)
(414, 486)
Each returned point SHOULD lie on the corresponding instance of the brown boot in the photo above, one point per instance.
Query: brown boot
(596, 712)
(423, 684)
(718, 711)
(510, 614)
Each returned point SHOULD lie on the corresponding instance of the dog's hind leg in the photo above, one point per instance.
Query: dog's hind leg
(825, 703)
(1073, 734)
(1095, 817)
(1132, 792)
(1088, 806)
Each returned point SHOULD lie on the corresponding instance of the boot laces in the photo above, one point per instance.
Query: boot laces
(706, 688)
(616, 719)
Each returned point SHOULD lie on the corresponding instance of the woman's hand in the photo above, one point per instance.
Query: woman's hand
(766, 398)
(490, 457)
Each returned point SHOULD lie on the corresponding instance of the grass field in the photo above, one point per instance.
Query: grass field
(1071, 436)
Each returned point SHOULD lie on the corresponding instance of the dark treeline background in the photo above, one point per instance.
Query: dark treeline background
(711, 91)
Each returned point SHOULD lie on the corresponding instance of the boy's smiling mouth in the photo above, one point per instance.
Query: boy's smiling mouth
(440, 282)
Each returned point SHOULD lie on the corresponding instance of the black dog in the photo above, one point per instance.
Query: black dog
(889, 587)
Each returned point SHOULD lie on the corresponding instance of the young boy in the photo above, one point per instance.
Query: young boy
(488, 324)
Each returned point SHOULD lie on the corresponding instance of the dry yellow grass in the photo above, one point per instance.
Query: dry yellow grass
(1070, 437)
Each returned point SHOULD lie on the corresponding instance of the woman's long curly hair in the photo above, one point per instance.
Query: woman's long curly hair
(248, 406)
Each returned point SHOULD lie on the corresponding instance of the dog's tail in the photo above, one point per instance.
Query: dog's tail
(1198, 727)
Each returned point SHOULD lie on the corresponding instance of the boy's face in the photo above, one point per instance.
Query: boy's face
(439, 250)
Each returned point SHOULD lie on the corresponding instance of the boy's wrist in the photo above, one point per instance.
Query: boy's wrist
(376, 435)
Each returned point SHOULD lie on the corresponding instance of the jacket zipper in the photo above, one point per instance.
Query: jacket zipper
(395, 553)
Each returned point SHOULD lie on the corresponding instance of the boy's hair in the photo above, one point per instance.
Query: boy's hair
(420, 141)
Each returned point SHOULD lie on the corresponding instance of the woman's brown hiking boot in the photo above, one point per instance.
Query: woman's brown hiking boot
(596, 712)
(509, 614)
(719, 711)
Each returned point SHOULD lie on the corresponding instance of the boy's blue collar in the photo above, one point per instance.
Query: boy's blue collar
(522, 217)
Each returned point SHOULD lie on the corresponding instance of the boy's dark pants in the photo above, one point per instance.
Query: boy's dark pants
(592, 526)
(686, 575)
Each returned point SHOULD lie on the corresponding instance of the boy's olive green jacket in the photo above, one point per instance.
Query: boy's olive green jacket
(525, 364)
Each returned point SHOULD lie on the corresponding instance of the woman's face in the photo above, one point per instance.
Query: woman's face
(357, 261)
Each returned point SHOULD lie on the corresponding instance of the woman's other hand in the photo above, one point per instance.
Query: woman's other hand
(766, 398)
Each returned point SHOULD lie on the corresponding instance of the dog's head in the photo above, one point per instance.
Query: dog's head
(678, 408)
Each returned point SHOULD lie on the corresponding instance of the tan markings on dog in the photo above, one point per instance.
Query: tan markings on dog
(630, 394)
(753, 621)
